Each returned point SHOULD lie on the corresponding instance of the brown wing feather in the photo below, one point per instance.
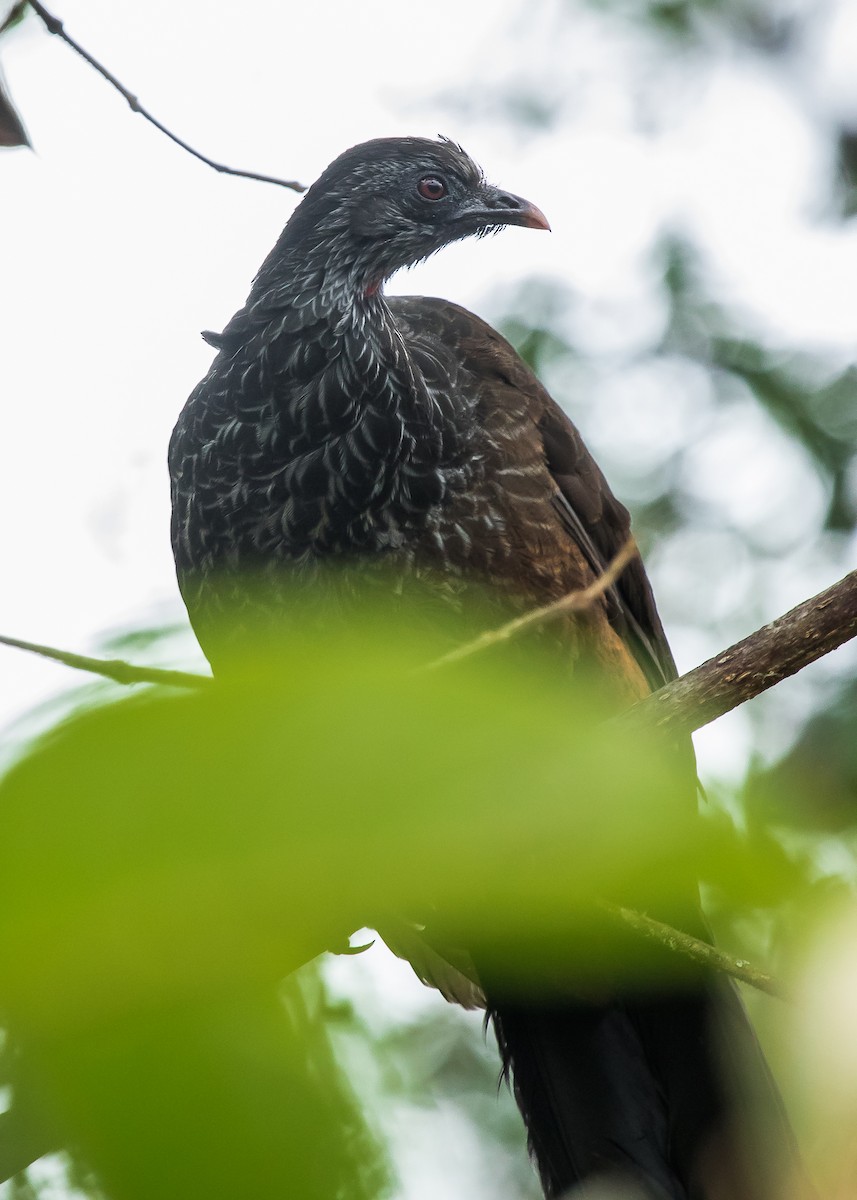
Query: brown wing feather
(562, 523)
(601, 526)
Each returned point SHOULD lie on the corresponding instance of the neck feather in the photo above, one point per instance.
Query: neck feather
(316, 313)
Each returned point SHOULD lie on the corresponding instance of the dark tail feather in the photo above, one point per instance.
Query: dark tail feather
(590, 1102)
(634, 1092)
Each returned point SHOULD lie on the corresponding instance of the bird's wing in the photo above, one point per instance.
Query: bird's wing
(450, 970)
(593, 520)
(601, 525)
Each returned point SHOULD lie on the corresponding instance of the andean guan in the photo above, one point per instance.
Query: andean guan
(338, 425)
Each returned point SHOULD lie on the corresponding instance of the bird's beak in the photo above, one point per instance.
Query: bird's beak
(496, 207)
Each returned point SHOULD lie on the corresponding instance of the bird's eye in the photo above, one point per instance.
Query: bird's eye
(430, 187)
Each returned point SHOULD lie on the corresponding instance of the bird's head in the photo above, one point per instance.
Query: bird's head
(392, 202)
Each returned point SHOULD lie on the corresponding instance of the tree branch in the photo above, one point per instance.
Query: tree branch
(694, 949)
(111, 668)
(756, 663)
(54, 25)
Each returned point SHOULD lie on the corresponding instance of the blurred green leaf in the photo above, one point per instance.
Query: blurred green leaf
(168, 858)
(242, 1096)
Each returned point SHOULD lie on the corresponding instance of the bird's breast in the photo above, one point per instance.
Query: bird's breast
(295, 468)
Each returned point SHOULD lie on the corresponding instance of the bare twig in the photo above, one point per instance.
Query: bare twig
(692, 948)
(573, 602)
(111, 668)
(54, 25)
(755, 664)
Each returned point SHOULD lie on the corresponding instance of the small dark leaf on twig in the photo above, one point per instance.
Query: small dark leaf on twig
(14, 16)
(12, 131)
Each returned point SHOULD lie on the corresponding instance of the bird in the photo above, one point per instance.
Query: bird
(341, 426)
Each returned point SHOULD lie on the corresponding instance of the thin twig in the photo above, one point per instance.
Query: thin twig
(111, 668)
(699, 951)
(573, 602)
(54, 25)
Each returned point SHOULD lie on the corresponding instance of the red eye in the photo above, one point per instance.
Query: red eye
(431, 188)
